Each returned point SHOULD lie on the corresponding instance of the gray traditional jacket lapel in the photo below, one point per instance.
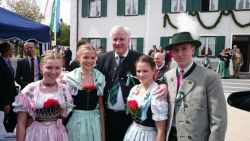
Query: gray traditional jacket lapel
(185, 88)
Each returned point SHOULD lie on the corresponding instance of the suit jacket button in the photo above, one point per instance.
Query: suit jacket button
(187, 122)
(185, 105)
(189, 137)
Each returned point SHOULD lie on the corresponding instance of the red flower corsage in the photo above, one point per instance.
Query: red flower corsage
(89, 88)
(133, 108)
(51, 103)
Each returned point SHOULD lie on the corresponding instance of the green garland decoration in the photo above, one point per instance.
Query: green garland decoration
(167, 18)
(222, 13)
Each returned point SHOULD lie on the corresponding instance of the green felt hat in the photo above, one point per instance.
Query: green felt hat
(183, 38)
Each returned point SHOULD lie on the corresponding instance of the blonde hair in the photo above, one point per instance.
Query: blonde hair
(50, 54)
(83, 47)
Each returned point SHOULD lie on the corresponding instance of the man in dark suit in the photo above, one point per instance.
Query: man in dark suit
(7, 86)
(28, 69)
(116, 119)
(68, 57)
(117, 65)
(161, 68)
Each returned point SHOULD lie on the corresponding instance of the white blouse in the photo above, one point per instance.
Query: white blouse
(159, 107)
(40, 99)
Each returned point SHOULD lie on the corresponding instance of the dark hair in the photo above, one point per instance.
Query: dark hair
(146, 59)
(82, 42)
(5, 46)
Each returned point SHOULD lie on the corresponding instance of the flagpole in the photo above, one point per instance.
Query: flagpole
(55, 22)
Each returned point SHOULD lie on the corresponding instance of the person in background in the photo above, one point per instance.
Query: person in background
(223, 66)
(46, 101)
(197, 106)
(237, 60)
(206, 61)
(168, 58)
(28, 69)
(87, 120)
(161, 68)
(7, 85)
(100, 50)
(118, 66)
(75, 63)
(149, 113)
(68, 57)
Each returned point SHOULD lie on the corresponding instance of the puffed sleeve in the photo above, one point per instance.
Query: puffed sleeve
(99, 80)
(23, 101)
(100, 88)
(20, 103)
(68, 105)
(159, 109)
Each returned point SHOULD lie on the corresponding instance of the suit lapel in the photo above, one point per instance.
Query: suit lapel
(173, 86)
(185, 88)
(114, 64)
(26, 60)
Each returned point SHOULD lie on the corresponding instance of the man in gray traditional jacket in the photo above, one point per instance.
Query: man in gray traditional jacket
(197, 107)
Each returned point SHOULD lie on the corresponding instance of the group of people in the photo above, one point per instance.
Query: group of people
(119, 95)
(225, 56)
(67, 55)
(166, 54)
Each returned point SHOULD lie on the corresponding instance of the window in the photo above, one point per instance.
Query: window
(242, 4)
(209, 5)
(178, 5)
(213, 5)
(98, 42)
(208, 46)
(133, 45)
(95, 42)
(136, 44)
(131, 7)
(94, 8)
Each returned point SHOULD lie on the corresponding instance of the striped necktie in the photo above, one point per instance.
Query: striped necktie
(115, 87)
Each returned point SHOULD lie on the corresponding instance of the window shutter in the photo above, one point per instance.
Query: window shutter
(139, 45)
(194, 5)
(219, 45)
(222, 5)
(166, 6)
(227, 5)
(85, 8)
(231, 4)
(141, 9)
(120, 7)
(164, 41)
(104, 8)
(104, 44)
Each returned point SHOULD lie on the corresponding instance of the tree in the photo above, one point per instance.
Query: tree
(26, 8)
(63, 36)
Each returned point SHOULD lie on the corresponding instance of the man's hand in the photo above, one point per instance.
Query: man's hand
(6, 109)
(161, 91)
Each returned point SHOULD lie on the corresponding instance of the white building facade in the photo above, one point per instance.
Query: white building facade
(220, 23)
